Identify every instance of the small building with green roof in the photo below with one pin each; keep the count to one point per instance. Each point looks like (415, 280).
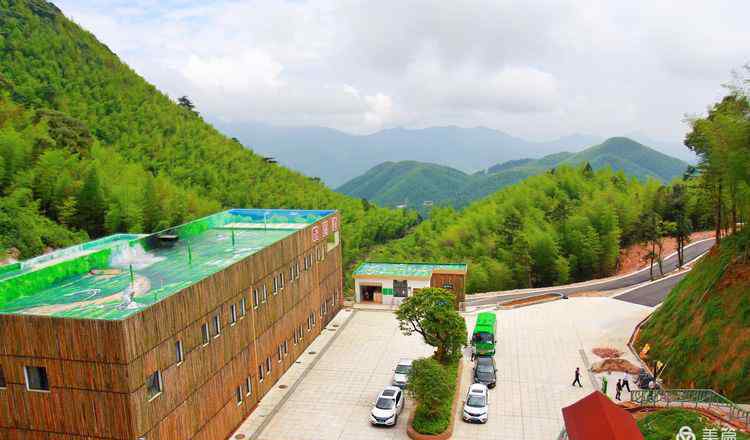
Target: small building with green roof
(389, 283)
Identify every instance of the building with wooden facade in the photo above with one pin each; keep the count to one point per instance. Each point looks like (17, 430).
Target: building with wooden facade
(174, 335)
(390, 283)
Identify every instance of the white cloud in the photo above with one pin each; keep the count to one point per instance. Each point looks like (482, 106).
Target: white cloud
(535, 68)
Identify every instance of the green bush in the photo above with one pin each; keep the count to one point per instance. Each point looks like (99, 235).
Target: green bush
(433, 385)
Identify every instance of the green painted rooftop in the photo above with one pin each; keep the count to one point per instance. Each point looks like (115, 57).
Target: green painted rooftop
(420, 270)
(115, 277)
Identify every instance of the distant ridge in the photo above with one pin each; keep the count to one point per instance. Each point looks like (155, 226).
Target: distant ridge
(337, 157)
(413, 183)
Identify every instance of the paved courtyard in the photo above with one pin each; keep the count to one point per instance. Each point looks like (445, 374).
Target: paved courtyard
(538, 349)
(333, 401)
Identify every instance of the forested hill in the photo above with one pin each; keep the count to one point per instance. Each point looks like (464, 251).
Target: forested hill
(88, 147)
(564, 225)
(413, 183)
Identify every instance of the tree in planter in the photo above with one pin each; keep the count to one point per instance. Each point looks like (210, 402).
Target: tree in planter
(430, 313)
(430, 385)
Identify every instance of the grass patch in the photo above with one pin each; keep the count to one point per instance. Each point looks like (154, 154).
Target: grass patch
(666, 424)
(702, 331)
(423, 423)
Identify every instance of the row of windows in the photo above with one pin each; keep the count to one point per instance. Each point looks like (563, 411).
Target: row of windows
(36, 378)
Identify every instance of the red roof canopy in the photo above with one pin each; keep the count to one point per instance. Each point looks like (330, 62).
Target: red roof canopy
(595, 417)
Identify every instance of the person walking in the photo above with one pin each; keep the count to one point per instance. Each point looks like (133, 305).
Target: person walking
(577, 380)
(618, 389)
(604, 385)
(473, 353)
(626, 381)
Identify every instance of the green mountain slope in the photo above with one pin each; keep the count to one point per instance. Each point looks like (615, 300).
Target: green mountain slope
(702, 331)
(94, 148)
(391, 183)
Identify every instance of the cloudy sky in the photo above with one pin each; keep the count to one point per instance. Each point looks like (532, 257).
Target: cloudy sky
(533, 68)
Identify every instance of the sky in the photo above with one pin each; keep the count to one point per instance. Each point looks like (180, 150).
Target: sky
(537, 69)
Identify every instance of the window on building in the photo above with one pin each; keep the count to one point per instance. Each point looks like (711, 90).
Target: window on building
(279, 352)
(179, 354)
(204, 332)
(286, 347)
(296, 269)
(232, 314)
(268, 365)
(36, 378)
(256, 299)
(400, 288)
(243, 308)
(275, 287)
(154, 385)
(238, 395)
(248, 385)
(448, 286)
(216, 326)
(260, 373)
(2, 379)
(281, 281)
(265, 293)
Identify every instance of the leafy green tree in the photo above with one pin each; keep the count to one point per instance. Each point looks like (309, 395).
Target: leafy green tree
(431, 313)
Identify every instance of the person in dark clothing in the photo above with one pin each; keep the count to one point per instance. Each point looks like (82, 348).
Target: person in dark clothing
(578, 378)
(619, 389)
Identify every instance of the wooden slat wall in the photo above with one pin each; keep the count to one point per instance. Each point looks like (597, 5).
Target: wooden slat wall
(85, 363)
(458, 281)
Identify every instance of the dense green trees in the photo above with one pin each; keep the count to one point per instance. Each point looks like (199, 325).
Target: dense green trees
(95, 148)
(566, 225)
(722, 141)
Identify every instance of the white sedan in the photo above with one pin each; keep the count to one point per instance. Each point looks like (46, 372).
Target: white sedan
(476, 405)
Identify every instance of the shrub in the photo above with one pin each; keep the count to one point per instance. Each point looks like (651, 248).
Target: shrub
(433, 385)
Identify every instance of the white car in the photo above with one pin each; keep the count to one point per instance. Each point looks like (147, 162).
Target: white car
(389, 404)
(401, 373)
(476, 405)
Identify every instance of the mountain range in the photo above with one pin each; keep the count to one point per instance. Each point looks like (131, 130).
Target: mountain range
(413, 183)
(337, 157)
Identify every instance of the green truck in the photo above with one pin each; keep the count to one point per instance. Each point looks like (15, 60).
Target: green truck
(483, 338)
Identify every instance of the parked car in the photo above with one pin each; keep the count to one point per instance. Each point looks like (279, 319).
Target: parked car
(476, 405)
(388, 405)
(485, 371)
(401, 373)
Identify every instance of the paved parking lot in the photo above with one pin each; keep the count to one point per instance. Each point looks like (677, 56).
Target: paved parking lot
(539, 347)
(333, 401)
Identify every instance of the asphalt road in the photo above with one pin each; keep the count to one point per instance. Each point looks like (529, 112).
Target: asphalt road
(653, 293)
(670, 264)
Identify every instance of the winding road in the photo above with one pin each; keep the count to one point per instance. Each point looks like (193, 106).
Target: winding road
(650, 294)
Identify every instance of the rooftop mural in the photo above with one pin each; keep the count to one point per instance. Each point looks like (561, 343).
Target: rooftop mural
(116, 276)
